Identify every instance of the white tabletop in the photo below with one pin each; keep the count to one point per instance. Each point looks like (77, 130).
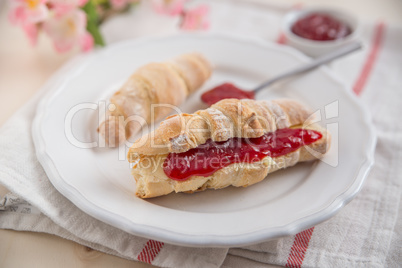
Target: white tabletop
(24, 69)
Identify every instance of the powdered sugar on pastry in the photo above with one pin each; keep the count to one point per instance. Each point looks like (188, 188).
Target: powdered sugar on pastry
(155, 83)
(243, 118)
(250, 118)
(219, 125)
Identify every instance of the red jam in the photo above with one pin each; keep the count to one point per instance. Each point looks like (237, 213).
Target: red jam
(320, 27)
(211, 156)
(225, 91)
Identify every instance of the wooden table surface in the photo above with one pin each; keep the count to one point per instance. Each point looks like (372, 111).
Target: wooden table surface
(24, 69)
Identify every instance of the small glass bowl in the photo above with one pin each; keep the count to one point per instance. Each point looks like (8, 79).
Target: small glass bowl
(316, 48)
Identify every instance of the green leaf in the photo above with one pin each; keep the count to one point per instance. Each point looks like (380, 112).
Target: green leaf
(100, 2)
(93, 22)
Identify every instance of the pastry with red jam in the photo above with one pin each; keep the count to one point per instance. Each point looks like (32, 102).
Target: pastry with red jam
(232, 143)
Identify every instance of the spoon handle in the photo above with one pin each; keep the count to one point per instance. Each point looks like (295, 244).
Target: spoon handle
(313, 64)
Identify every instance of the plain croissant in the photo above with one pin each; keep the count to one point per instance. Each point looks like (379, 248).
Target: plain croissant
(168, 82)
(224, 120)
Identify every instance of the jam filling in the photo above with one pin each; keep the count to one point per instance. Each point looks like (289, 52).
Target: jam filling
(225, 91)
(212, 156)
(320, 27)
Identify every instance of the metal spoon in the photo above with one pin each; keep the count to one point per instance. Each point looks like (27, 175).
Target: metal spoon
(312, 65)
(230, 91)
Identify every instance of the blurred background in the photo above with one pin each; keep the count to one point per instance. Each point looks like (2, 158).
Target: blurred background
(24, 68)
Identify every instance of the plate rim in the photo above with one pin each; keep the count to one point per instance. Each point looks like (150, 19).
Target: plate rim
(198, 240)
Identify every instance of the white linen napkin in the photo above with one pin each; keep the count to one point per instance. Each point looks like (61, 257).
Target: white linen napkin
(367, 232)
(35, 205)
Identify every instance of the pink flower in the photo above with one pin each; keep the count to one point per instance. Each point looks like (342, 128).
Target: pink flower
(82, 2)
(119, 4)
(68, 30)
(31, 31)
(74, 3)
(195, 19)
(86, 42)
(64, 6)
(168, 7)
(28, 11)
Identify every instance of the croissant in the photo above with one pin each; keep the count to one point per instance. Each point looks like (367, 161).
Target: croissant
(222, 125)
(155, 83)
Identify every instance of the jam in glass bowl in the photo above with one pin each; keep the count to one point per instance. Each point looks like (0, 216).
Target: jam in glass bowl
(317, 31)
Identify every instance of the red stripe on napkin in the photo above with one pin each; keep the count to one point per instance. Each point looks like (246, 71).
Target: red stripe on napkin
(281, 39)
(299, 248)
(302, 239)
(150, 251)
(371, 59)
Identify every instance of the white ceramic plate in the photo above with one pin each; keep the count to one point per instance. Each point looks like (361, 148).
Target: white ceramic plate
(99, 183)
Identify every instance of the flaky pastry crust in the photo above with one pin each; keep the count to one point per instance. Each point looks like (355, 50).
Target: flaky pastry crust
(223, 120)
(167, 82)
